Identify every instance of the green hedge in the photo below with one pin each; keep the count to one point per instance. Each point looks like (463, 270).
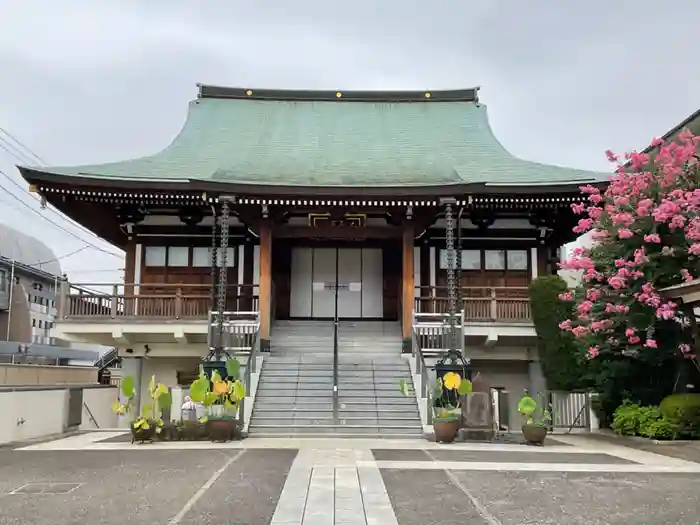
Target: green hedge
(683, 410)
(559, 356)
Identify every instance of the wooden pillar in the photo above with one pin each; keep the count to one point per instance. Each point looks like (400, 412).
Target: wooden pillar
(407, 284)
(248, 267)
(129, 277)
(265, 283)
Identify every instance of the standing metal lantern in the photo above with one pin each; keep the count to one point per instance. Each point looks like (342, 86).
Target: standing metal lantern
(217, 356)
(453, 360)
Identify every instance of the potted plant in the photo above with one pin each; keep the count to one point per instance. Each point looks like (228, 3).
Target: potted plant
(148, 423)
(445, 402)
(221, 399)
(536, 419)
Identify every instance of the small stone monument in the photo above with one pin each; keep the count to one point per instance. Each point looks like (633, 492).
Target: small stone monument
(477, 413)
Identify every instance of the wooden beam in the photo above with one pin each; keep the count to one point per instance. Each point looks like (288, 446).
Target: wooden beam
(407, 283)
(265, 283)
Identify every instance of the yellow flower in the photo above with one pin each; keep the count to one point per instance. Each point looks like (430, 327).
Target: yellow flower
(220, 387)
(451, 381)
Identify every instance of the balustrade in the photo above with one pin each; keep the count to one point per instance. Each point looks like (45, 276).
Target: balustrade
(503, 304)
(165, 301)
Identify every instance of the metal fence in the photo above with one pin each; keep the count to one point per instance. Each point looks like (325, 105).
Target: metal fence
(570, 410)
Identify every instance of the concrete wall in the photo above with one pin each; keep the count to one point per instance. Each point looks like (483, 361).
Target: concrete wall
(513, 376)
(30, 414)
(97, 404)
(19, 375)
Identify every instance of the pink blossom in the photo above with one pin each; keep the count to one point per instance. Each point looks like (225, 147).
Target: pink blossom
(617, 282)
(621, 201)
(666, 311)
(578, 208)
(684, 348)
(686, 275)
(624, 233)
(566, 296)
(633, 340)
(630, 332)
(583, 226)
(656, 142)
(584, 307)
(579, 331)
(652, 238)
(565, 325)
(689, 356)
(593, 294)
(694, 249)
(611, 156)
(593, 352)
(651, 343)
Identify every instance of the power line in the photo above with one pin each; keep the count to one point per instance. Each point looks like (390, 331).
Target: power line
(61, 257)
(48, 207)
(21, 145)
(4, 144)
(8, 192)
(24, 159)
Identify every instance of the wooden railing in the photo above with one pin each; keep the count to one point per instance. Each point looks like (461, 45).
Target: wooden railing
(172, 301)
(505, 304)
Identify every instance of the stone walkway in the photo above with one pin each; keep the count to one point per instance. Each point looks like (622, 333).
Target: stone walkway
(574, 480)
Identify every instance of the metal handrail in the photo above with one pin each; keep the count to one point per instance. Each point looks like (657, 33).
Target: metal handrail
(250, 366)
(335, 369)
(422, 369)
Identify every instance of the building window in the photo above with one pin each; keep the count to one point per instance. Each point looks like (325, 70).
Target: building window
(3, 281)
(33, 323)
(38, 286)
(155, 256)
(178, 256)
(201, 257)
(517, 260)
(495, 260)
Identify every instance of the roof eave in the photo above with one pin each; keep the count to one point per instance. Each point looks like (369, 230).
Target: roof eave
(35, 176)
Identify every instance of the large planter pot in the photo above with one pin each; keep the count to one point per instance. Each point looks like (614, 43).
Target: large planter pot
(143, 434)
(222, 429)
(446, 431)
(534, 434)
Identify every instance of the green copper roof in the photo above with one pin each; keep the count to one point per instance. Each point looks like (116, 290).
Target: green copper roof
(344, 142)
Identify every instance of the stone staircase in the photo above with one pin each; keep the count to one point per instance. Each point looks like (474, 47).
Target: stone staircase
(295, 393)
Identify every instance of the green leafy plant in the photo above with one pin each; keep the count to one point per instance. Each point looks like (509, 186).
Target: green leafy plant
(534, 413)
(216, 391)
(445, 396)
(150, 414)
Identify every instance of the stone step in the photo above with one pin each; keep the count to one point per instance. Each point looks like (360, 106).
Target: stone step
(283, 434)
(327, 419)
(383, 428)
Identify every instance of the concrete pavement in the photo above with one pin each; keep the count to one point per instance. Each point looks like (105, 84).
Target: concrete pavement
(86, 480)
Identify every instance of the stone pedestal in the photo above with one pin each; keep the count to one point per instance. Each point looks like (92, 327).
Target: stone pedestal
(477, 413)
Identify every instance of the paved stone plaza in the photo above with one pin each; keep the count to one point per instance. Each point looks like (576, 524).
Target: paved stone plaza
(98, 478)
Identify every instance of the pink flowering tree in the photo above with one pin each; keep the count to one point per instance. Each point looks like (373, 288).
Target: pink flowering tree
(646, 231)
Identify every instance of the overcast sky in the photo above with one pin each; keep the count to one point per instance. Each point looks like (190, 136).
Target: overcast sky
(108, 80)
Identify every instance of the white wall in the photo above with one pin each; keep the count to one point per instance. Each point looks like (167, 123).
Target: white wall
(99, 401)
(32, 414)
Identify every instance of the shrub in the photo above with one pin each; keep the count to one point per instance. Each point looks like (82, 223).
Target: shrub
(626, 419)
(684, 411)
(634, 420)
